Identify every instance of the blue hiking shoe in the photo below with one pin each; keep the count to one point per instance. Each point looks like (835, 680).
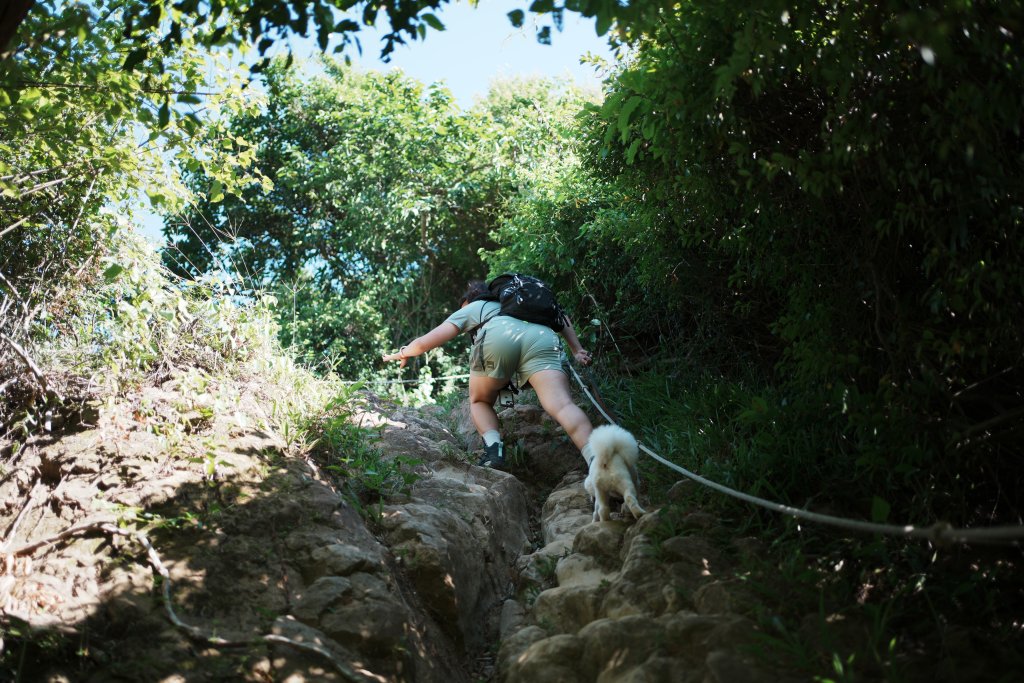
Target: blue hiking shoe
(494, 456)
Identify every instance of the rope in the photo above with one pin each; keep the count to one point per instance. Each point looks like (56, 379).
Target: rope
(402, 381)
(938, 533)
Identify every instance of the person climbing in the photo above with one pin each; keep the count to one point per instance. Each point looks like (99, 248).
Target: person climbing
(507, 348)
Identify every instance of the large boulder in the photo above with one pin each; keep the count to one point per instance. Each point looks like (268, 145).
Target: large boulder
(458, 531)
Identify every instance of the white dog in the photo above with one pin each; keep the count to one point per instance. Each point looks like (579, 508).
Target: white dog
(612, 470)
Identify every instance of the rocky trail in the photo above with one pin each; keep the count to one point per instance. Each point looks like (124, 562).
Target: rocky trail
(276, 575)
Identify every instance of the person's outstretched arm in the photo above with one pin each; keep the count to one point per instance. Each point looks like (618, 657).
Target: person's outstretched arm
(580, 354)
(444, 332)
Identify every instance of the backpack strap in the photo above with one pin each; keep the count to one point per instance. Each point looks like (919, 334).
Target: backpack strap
(472, 331)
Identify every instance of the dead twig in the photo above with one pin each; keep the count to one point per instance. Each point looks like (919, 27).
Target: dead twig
(16, 224)
(12, 530)
(109, 527)
(42, 186)
(31, 365)
(15, 295)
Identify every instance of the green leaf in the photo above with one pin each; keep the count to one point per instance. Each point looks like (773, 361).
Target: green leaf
(627, 112)
(165, 114)
(216, 191)
(112, 273)
(134, 58)
(603, 23)
(634, 147)
(433, 22)
(517, 16)
(879, 509)
(649, 128)
(30, 96)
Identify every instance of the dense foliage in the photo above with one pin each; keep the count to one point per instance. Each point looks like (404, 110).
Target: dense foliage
(79, 138)
(835, 191)
(258, 23)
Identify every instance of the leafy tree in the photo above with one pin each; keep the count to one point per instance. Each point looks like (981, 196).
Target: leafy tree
(381, 189)
(259, 22)
(543, 227)
(79, 136)
(262, 23)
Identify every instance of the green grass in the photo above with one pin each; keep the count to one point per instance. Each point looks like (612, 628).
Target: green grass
(349, 451)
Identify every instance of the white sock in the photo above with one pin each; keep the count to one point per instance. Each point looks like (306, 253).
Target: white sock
(588, 453)
(491, 436)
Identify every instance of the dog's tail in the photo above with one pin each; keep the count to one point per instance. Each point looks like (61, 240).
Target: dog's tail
(608, 440)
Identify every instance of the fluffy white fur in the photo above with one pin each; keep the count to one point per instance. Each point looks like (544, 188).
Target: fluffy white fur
(613, 470)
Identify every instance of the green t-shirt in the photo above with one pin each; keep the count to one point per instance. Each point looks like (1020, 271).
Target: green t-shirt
(468, 317)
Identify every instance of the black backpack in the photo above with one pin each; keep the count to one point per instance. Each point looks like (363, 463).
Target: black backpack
(527, 298)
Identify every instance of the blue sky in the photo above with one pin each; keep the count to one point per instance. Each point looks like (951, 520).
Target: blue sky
(477, 46)
(480, 44)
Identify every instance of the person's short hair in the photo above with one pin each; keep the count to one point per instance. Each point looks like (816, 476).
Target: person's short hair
(475, 290)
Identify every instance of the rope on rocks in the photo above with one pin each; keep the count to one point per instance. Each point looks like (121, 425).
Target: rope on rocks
(938, 533)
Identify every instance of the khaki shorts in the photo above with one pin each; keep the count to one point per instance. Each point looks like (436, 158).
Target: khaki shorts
(508, 348)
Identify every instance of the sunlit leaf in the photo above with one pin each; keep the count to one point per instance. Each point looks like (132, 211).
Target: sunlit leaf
(112, 272)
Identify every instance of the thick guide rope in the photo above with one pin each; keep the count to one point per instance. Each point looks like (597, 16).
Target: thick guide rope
(938, 533)
(419, 380)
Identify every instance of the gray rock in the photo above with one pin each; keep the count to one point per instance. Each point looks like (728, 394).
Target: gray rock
(567, 609)
(613, 646)
(551, 660)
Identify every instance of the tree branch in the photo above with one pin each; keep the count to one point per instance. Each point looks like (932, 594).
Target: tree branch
(31, 364)
(100, 88)
(11, 16)
(16, 224)
(43, 186)
(12, 530)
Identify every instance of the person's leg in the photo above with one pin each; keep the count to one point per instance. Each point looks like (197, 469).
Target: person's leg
(483, 391)
(552, 387)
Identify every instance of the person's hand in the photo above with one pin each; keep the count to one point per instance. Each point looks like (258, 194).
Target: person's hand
(399, 356)
(582, 357)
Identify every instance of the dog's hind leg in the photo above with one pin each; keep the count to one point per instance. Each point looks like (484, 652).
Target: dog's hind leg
(633, 504)
(602, 508)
